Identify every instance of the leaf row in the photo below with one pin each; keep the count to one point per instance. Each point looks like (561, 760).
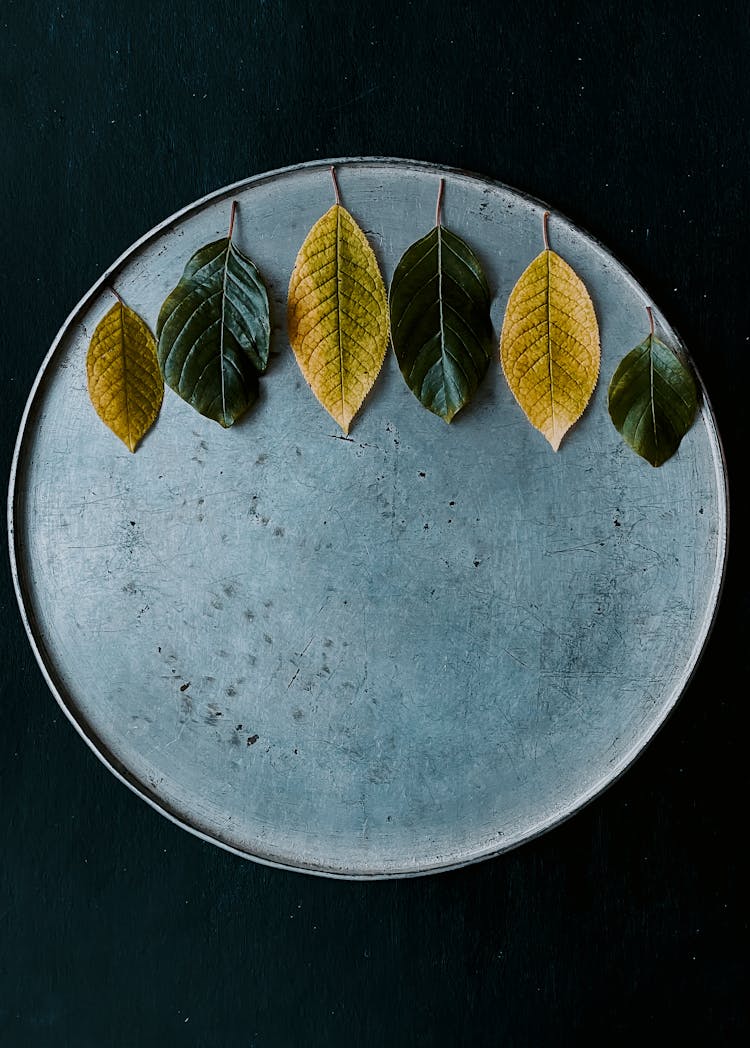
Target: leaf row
(213, 339)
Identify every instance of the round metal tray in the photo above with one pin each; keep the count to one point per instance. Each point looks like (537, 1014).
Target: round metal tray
(370, 657)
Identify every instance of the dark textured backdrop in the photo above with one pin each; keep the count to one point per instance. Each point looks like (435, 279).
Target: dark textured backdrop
(629, 921)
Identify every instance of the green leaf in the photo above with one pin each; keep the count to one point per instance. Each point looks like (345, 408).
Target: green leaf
(214, 332)
(440, 320)
(653, 400)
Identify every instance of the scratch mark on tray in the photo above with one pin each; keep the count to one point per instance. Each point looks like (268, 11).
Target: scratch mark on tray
(178, 736)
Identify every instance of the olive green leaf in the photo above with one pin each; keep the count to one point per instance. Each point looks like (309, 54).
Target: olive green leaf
(653, 399)
(124, 381)
(440, 319)
(549, 347)
(337, 313)
(214, 331)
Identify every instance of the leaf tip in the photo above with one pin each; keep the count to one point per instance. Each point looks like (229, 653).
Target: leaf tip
(555, 437)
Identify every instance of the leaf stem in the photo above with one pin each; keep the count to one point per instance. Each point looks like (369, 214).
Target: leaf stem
(439, 205)
(650, 320)
(231, 219)
(117, 296)
(545, 233)
(335, 184)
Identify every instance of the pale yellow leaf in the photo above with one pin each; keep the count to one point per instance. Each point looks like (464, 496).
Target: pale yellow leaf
(124, 380)
(338, 314)
(549, 347)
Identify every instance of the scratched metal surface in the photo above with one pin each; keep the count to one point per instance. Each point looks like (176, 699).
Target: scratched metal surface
(381, 656)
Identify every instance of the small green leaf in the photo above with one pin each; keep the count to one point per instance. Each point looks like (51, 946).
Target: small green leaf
(214, 332)
(653, 399)
(440, 320)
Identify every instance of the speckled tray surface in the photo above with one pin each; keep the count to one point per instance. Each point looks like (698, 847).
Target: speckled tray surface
(381, 656)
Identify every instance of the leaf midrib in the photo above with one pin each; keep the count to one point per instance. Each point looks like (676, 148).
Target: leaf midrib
(549, 343)
(125, 373)
(338, 310)
(221, 333)
(651, 388)
(440, 313)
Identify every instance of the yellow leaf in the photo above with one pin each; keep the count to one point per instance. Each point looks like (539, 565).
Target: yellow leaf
(549, 346)
(125, 384)
(338, 314)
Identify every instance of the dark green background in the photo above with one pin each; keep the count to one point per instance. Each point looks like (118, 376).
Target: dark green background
(627, 923)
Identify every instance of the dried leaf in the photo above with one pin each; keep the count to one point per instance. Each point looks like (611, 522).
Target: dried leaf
(653, 399)
(338, 314)
(124, 381)
(214, 331)
(440, 320)
(549, 347)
